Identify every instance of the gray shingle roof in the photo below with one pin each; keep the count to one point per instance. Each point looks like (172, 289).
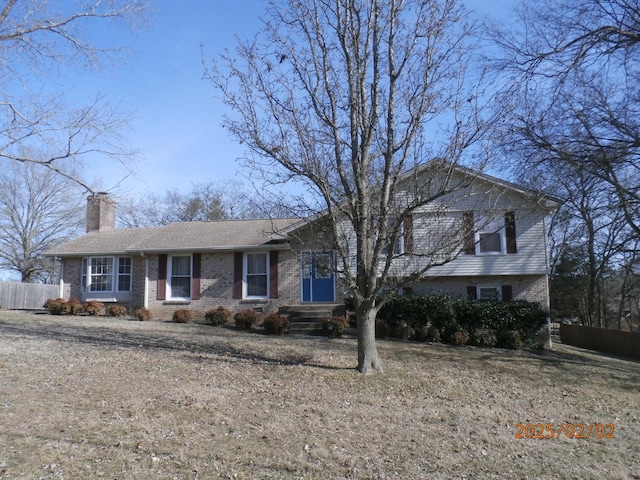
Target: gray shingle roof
(218, 235)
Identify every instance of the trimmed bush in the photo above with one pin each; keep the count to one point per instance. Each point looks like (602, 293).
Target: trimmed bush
(459, 338)
(403, 331)
(433, 334)
(421, 333)
(182, 315)
(528, 318)
(93, 308)
(245, 319)
(74, 306)
(57, 306)
(116, 310)
(335, 327)
(510, 339)
(382, 329)
(143, 314)
(411, 316)
(217, 317)
(484, 338)
(275, 324)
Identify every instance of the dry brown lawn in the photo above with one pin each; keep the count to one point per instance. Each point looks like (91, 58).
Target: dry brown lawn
(84, 398)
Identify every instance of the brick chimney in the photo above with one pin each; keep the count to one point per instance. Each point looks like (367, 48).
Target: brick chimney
(101, 212)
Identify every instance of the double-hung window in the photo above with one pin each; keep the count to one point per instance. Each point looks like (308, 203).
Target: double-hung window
(488, 292)
(256, 275)
(106, 274)
(490, 237)
(180, 277)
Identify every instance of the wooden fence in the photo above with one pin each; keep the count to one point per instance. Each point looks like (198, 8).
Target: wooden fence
(25, 296)
(626, 344)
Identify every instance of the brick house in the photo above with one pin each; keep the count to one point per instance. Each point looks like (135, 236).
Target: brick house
(498, 228)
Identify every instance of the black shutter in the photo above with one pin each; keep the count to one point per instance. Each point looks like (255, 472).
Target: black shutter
(510, 232)
(472, 292)
(237, 275)
(273, 275)
(161, 294)
(195, 276)
(467, 230)
(507, 293)
(408, 234)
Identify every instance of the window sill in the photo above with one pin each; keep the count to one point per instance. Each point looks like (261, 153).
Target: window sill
(177, 302)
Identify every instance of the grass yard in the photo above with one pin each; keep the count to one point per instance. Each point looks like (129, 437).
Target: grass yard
(84, 398)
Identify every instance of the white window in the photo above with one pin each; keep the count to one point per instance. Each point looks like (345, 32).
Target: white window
(490, 237)
(179, 277)
(99, 274)
(488, 292)
(256, 275)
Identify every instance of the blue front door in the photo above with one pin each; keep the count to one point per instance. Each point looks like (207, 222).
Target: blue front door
(318, 277)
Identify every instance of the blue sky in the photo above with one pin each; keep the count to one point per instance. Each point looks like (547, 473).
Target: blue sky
(176, 119)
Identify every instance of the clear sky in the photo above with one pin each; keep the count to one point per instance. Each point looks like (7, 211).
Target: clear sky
(176, 119)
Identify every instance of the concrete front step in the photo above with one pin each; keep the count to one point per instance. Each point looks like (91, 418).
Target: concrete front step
(307, 318)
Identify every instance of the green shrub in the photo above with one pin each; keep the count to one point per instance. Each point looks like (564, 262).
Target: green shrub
(411, 316)
(528, 318)
(217, 317)
(484, 338)
(433, 334)
(403, 331)
(245, 319)
(93, 308)
(421, 333)
(335, 327)
(143, 314)
(116, 310)
(510, 339)
(182, 315)
(382, 329)
(275, 324)
(57, 306)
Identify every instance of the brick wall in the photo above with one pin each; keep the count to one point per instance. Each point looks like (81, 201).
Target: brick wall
(532, 288)
(216, 287)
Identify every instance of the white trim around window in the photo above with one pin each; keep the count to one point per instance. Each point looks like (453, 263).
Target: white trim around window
(106, 274)
(255, 275)
(179, 272)
(489, 292)
(490, 237)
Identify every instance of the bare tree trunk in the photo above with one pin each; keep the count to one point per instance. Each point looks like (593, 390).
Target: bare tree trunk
(368, 360)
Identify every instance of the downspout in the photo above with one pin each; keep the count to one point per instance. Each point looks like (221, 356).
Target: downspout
(549, 344)
(145, 301)
(61, 281)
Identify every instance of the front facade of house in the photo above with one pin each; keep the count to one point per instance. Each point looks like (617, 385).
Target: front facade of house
(258, 264)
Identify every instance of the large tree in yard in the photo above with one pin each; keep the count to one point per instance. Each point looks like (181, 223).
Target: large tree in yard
(38, 210)
(574, 99)
(346, 97)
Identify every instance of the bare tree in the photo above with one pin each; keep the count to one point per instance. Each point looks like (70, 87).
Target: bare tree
(37, 39)
(571, 125)
(345, 97)
(575, 92)
(206, 201)
(38, 210)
